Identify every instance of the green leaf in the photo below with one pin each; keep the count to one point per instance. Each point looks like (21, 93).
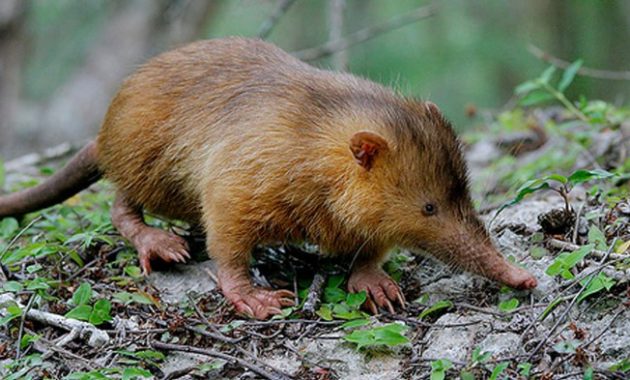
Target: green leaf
(38, 283)
(596, 285)
(335, 281)
(557, 177)
(12, 286)
(537, 252)
(526, 87)
(128, 298)
(442, 305)
(621, 366)
(552, 305)
(597, 237)
(498, 370)
(527, 188)
(387, 335)
(567, 260)
(588, 374)
(325, 312)
(27, 339)
(131, 373)
(535, 97)
(82, 295)
(508, 305)
(12, 311)
(101, 312)
(524, 369)
(8, 227)
(583, 175)
(546, 75)
(479, 357)
(439, 368)
(133, 271)
(569, 75)
(466, 375)
(81, 312)
(334, 295)
(355, 323)
(355, 300)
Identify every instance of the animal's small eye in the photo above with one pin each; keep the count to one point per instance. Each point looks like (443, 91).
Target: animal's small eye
(429, 209)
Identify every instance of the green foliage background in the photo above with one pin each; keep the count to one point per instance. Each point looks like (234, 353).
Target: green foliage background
(471, 52)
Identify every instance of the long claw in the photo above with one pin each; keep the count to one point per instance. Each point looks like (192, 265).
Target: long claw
(274, 310)
(401, 301)
(390, 307)
(244, 308)
(371, 306)
(286, 302)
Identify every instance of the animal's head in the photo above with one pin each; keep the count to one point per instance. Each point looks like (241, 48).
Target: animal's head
(412, 183)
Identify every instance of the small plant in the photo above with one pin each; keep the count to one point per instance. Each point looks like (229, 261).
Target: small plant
(96, 314)
(508, 305)
(437, 308)
(563, 264)
(558, 183)
(439, 368)
(541, 89)
(340, 304)
(388, 335)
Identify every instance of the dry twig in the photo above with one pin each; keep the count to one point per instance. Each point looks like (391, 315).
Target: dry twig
(314, 293)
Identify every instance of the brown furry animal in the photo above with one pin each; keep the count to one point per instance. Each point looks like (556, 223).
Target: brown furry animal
(240, 137)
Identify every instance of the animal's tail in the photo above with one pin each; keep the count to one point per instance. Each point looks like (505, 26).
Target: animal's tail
(78, 174)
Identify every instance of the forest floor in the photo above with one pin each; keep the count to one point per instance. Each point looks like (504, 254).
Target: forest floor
(74, 305)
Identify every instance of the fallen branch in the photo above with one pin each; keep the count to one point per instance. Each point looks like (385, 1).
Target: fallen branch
(365, 34)
(566, 246)
(585, 71)
(216, 354)
(95, 337)
(314, 294)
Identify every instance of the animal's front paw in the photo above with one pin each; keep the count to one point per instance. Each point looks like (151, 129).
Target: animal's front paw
(257, 302)
(155, 244)
(380, 288)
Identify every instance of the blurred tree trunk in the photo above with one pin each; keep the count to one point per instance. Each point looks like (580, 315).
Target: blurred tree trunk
(135, 31)
(11, 52)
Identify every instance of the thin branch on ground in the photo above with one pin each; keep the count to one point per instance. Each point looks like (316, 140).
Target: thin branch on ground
(29, 305)
(95, 337)
(314, 293)
(565, 245)
(365, 34)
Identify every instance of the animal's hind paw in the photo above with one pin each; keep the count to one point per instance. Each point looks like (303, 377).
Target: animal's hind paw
(155, 244)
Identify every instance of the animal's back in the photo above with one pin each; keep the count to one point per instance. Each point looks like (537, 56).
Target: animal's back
(182, 107)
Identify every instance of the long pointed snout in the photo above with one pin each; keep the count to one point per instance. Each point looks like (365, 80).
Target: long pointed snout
(481, 257)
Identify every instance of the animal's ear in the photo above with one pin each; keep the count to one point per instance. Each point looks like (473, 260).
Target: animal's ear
(365, 146)
(432, 108)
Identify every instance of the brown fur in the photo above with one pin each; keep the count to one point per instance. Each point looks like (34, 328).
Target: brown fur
(239, 136)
